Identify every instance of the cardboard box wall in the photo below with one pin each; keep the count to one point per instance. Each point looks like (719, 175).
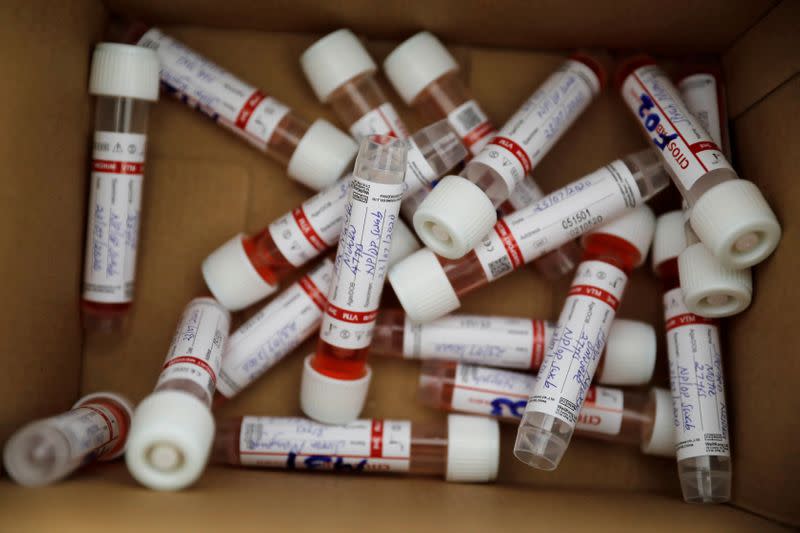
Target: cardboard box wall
(203, 185)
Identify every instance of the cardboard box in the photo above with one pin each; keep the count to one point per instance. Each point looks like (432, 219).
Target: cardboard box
(202, 185)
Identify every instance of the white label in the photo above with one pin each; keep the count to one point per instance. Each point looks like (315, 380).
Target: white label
(272, 333)
(361, 263)
(298, 443)
(419, 173)
(569, 212)
(383, 120)
(601, 411)
(196, 350)
(307, 231)
(481, 340)
(472, 125)
(698, 390)
(686, 147)
(699, 93)
(92, 430)
(490, 391)
(539, 123)
(204, 86)
(579, 339)
(113, 221)
(524, 194)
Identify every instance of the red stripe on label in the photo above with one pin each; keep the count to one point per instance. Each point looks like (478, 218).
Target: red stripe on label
(515, 149)
(305, 226)
(509, 243)
(596, 293)
(537, 351)
(477, 133)
(313, 292)
(117, 167)
(247, 109)
(353, 317)
(188, 359)
(702, 146)
(688, 319)
(376, 439)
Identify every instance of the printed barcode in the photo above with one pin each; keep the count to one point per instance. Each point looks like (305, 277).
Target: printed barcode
(500, 266)
(468, 118)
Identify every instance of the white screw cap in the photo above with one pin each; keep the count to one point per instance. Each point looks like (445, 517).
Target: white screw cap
(454, 217)
(473, 448)
(670, 238)
(711, 289)
(323, 154)
(329, 400)
(122, 401)
(416, 63)
(422, 287)
(404, 243)
(170, 440)
(636, 227)
(630, 355)
(333, 60)
(662, 440)
(124, 70)
(736, 224)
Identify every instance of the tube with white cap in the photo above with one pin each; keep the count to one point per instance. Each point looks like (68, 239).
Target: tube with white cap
(172, 429)
(464, 449)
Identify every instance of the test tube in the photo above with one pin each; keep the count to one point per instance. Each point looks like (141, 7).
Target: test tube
(464, 449)
(46, 451)
(460, 211)
(172, 429)
(336, 378)
(247, 269)
(627, 417)
(508, 342)
(315, 155)
(612, 252)
(125, 80)
(342, 74)
(729, 214)
(429, 286)
(696, 378)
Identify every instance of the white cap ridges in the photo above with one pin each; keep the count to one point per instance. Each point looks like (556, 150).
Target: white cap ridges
(124, 70)
(323, 154)
(333, 60)
(473, 448)
(630, 355)
(329, 400)
(670, 238)
(736, 224)
(636, 227)
(711, 289)
(662, 440)
(232, 278)
(422, 287)
(170, 440)
(454, 217)
(415, 63)
(404, 243)
(122, 401)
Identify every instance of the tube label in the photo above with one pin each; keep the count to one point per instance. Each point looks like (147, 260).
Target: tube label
(686, 147)
(275, 331)
(299, 443)
(370, 215)
(93, 430)
(540, 122)
(112, 230)
(556, 219)
(196, 351)
(383, 120)
(524, 194)
(601, 411)
(480, 340)
(214, 91)
(696, 379)
(699, 93)
(472, 125)
(578, 341)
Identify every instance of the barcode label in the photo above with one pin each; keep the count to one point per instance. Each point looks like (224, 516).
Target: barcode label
(472, 125)
(468, 118)
(500, 266)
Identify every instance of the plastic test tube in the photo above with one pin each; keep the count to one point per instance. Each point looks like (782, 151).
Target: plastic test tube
(336, 378)
(125, 80)
(172, 429)
(460, 211)
(429, 286)
(248, 268)
(45, 451)
(612, 252)
(628, 417)
(730, 215)
(316, 155)
(696, 378)
(506, 342)
(342, 73)
(465, 449)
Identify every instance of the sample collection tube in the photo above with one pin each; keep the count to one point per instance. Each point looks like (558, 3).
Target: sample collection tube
(429, 286)
(172, 429)
(612, 252)
(729, 215)
(696, 378)
(464, 449)
(45, 451)
(125, 80)
(629, 417)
